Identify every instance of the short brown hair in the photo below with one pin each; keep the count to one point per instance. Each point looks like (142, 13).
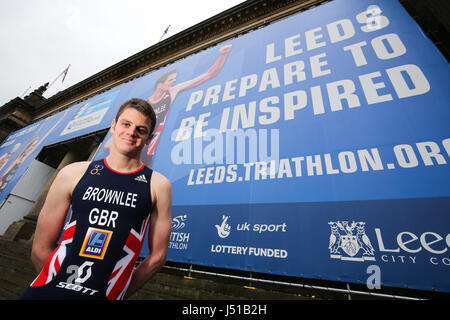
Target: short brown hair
(141, 106)
(164, 77)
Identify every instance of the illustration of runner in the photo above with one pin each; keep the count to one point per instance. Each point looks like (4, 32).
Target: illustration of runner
(165, 93)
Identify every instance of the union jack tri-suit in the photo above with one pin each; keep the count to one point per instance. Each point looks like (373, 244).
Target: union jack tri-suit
(102, 239)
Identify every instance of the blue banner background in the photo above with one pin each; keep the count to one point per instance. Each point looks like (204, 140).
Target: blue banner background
(391, 213)
(356, 183)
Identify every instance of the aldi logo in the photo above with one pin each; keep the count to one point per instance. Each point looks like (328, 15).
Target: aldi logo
(95, 243)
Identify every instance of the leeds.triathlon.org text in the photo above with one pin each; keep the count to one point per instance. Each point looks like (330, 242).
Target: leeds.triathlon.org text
(403, 156)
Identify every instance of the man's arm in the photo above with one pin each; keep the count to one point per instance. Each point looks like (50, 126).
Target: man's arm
(212, 72)
(158, 236)
(53, 213)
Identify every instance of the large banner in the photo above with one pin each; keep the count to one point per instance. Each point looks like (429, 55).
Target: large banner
(19, 150)
(316, 147)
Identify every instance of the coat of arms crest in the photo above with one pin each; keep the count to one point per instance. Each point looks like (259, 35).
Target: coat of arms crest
(344, 238)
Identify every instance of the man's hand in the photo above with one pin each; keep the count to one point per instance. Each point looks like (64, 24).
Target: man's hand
(225, 49)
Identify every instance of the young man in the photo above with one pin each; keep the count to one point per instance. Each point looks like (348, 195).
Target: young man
(113, 201)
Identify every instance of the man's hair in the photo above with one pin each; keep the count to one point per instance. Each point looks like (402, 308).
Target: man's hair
(164, 77)
(141, 106)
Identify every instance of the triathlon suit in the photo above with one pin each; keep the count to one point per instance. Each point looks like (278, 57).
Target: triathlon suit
(102, 239)
(161, 109)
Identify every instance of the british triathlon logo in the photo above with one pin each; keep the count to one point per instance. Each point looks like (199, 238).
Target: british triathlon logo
(178, 222)
(96, 170)
(95, 243)
(224, 229)
(348, 241)
(179, 239)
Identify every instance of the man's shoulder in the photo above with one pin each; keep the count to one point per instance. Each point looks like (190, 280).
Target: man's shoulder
(75, 169)
(68, 177)
(161, 191)
(160, 186)
(160, 181)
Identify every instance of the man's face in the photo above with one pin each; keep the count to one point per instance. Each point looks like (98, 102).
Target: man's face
(168, 83)
(131, 132)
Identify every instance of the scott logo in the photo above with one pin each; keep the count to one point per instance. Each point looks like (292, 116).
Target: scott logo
(78, 276)
(355, 246)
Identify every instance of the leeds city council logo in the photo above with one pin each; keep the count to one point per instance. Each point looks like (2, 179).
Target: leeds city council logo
(346, 243)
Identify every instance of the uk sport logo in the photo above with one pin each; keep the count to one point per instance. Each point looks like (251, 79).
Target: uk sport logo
(346, 243)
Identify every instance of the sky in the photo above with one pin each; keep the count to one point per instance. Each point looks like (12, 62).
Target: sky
(40, 38)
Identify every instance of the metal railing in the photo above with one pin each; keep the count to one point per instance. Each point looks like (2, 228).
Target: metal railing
(347, 291)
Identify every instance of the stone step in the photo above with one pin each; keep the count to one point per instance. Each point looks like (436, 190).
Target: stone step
(8, 260)
(16, 269)
(17, 272)
(185, 291)
(202, 289)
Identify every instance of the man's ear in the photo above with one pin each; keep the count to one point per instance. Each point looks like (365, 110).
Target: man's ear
(113, 126)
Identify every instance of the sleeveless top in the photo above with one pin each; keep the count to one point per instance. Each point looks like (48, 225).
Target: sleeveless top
(161, 109)
(102, 239)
